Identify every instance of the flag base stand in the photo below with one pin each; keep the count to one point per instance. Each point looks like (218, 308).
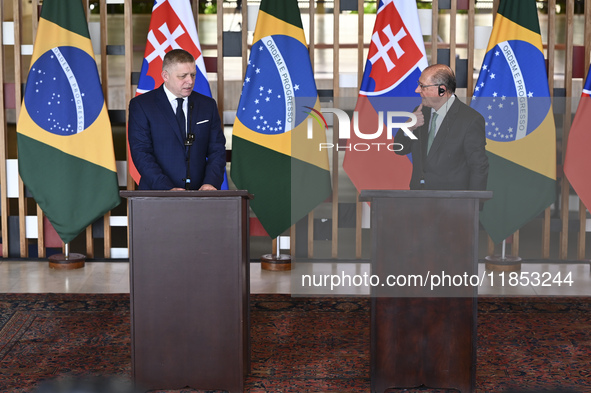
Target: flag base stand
(279, 262)
(62, 262)
(496, 263)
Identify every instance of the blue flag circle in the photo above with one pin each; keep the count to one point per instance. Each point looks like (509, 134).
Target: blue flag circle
(63, 95)
(512, 91)
(278, 85)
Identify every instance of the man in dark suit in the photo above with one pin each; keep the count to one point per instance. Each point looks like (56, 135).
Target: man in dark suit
(175, 134)
(449, 153)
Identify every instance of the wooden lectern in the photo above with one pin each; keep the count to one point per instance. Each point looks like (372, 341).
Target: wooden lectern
(422, 334)
(189, 289)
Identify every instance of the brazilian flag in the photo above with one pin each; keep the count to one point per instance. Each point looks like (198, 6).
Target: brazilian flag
(65, 145)
(278, 141)
(513, 96)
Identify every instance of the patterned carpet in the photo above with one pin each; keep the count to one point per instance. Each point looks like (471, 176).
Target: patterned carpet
(298, 344)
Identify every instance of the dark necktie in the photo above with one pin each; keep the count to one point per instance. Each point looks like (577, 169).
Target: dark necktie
(180, 117)
(432, 131)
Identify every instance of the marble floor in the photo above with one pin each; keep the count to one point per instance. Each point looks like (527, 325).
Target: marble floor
(322, 278)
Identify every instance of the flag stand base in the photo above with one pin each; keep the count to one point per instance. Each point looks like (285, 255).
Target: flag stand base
(496, 263)
(61, 262)
(272, 262)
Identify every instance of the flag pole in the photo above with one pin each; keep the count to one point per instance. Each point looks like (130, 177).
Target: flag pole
(503, 262)
(67, 260)
(276, 261)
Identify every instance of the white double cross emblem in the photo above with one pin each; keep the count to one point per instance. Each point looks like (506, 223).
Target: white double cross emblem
(169, 40)
(393, 42)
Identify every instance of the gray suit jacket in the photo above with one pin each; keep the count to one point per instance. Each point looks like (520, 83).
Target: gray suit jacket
(457, 159)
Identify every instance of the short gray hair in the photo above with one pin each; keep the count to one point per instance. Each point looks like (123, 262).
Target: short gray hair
(177, 56)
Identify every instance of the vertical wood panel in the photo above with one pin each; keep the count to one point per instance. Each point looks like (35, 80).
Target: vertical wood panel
(244, 13)
(360, 48)
(452, 34)
(587, 35)
(105, 84)
(568, 83)
(128, 37)
(515, 246)
(470, 67)
(491, 245)
(195, 8)
(551, 51)
(89, 242)
(292, 240)
(311, 46)
(310, 234)
(434, 30)
(360, 62)
(3, 141)
(40, 214)
(335, 136)
(220, 56)
(551, 56)
(582, 230)
(34, 17)
(103, 46)
(128, 43)
(104, 39)
(495, 9)
(582, 209)
(18, 79)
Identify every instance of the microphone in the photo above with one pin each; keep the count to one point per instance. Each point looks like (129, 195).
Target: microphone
(190, 139)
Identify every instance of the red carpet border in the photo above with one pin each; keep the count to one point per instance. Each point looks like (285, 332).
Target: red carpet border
(298, 344)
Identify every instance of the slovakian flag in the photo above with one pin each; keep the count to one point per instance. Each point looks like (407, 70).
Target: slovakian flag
(512, 95)
(65, 144)
(577, 161)
(171, 27)
(394, 64)
(276, 140)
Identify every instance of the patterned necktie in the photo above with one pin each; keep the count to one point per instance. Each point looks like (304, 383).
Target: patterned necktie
(432, 131)
(180, 117)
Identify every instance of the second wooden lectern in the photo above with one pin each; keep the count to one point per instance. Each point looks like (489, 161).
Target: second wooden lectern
(423, 317)
(189, 289)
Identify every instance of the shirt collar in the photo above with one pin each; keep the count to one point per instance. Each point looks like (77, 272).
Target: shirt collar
(444, 108)
(171, 97)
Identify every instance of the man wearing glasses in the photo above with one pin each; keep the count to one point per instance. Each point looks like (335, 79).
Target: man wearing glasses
(449, 153)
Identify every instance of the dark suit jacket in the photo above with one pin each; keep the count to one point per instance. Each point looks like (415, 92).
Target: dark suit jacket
(158, 149)
(457, 159)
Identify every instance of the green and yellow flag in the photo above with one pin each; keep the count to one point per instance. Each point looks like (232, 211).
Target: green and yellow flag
(278, 144)
(65, 145)
(513, 96)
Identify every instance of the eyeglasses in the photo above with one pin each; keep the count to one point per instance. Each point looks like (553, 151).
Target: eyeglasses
(423, 86)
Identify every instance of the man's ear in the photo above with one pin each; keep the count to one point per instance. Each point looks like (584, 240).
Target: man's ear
(164, 75)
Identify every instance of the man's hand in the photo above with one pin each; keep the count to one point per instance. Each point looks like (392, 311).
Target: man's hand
(207, 187)
(420, 118)
(177, 189)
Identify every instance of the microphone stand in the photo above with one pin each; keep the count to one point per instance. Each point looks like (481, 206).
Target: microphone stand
(188, 143)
